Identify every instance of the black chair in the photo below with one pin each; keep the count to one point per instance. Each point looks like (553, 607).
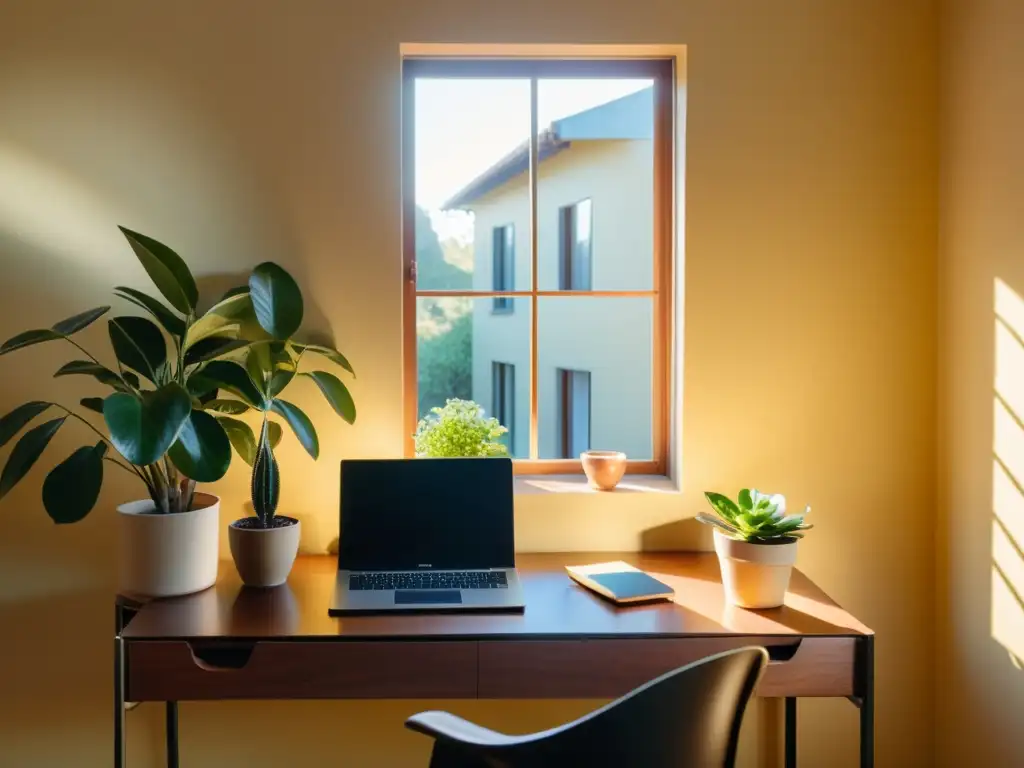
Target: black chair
(687, 718)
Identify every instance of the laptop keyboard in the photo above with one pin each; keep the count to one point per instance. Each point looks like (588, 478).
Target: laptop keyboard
(428, 580)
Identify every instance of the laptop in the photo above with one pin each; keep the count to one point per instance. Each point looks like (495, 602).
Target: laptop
(426, 535)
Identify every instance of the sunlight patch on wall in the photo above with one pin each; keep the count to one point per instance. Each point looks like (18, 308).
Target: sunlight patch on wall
(1008, 472)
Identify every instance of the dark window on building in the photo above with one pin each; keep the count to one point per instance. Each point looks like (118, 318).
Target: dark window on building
(575, 228)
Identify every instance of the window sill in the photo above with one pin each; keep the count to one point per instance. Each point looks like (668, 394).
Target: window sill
(528, 485)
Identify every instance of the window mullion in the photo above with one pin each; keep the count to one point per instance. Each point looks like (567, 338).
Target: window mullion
(534, 374)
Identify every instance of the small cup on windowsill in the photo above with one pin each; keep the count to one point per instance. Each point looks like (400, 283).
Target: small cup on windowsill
(604, 469)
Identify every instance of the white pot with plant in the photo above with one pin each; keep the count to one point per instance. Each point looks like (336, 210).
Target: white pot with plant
(756, 544)
(459, 429)
(265, 545)
(159, 422)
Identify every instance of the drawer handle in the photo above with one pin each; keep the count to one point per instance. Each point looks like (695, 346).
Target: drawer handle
(779, 654)
(221, 657)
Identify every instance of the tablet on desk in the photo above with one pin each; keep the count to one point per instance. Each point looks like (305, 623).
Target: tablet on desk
(620, 582)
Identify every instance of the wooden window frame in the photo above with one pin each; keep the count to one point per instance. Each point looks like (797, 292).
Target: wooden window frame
(659, 69)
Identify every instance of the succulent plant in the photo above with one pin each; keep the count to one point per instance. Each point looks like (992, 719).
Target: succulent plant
(759, 518)
(459, 429)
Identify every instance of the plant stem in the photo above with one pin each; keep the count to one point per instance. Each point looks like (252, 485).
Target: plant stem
(88, 354)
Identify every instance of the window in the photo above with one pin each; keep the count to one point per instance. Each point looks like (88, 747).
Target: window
(503, 256)
(500, 242)
(503, 400)
(573, 413)
(574, 247)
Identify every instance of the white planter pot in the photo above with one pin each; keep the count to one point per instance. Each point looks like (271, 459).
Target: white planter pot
(264, 556)
(755, 575)
(169, 555)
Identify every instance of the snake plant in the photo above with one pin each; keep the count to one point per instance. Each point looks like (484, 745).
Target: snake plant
(759, 518)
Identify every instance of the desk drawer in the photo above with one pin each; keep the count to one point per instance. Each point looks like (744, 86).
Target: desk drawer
(610, 668)
(179, 670)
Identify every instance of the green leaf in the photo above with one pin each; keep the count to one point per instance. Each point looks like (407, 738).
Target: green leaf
(266, 484)
(238, 290)
(723, 505)
(12, 423)
(77, 322)
(331, 354)
(88, 368)
(26, 451)
(279, 381)
(745, 502)
(166, 269)
(277, 300)
(202, 451)
(241, 437)
(223, 319)
(138, 344)
(92, 403)
(337, 394)
(212, 347)
(72, 488)
(274, 433)
(300, 424)
(717, 522)
(143, 428)
(230, 407)
(259, 366)
(231, 376)
(28, 338)
(173, 324)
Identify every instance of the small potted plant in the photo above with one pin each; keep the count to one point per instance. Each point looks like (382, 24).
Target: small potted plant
(264, 545)
(157, 419)
(459, 429)
(756, 544)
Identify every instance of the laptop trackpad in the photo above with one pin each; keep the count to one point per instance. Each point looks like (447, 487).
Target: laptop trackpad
(421, 596)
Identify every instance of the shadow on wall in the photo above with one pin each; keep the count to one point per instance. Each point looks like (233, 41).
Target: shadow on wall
(1007, 598)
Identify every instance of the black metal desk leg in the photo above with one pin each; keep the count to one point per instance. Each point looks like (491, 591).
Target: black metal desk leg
(790, 732)
(867, 704)
(119, 751)
(172, 734)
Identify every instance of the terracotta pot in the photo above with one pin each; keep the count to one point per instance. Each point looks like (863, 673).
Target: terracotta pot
(264, 556)
(755, 575)
(168, 555)
(604, 469)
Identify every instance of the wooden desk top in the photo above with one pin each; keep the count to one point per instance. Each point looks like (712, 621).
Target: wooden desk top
(556, 608)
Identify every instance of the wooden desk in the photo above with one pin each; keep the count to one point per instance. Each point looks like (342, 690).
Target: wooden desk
(233, 643)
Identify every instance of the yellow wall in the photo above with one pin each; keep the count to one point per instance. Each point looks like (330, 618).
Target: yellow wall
(981, 269)
(240, 131)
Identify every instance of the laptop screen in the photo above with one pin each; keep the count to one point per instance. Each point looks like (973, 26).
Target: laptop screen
(410, 514)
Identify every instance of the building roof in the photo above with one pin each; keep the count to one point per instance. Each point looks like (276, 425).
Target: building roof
(629, 117)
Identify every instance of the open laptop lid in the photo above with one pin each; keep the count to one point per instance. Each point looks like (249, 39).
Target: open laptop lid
(409, 514)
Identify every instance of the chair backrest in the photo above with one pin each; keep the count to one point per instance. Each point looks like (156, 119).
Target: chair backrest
(687, 718)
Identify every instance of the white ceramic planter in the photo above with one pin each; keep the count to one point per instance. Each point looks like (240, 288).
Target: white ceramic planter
(169, 555)
(264, 556)
(755, 575)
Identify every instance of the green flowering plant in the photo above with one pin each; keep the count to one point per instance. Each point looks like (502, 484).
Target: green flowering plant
(459, 429)
(759, 518)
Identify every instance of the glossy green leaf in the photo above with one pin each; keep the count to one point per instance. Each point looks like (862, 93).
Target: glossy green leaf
(166, 269)
(259, 366)
(238, 290)
(724, 506)
(131, 378)
(72, 488)
(77, 322)
(337, 394)
(229, 407)
(26, 451)
(745, 500)
(331, 354)
(202, 451)
(274, 433)
(276, 299)
(225, 318)
(232, 377)
(266, 480)
(13, 422)
(28, 338)
(142, 429)
(138, 344)
(241, 437)
(211, 348)
(300, 424)
(278, 382)
(92, 403)
(173, 324)
(88, 368)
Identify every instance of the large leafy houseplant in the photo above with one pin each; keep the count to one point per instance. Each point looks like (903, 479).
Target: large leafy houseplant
(459, 429)
(162, 415)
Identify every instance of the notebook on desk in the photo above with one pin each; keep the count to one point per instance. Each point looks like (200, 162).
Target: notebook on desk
(620, 582)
